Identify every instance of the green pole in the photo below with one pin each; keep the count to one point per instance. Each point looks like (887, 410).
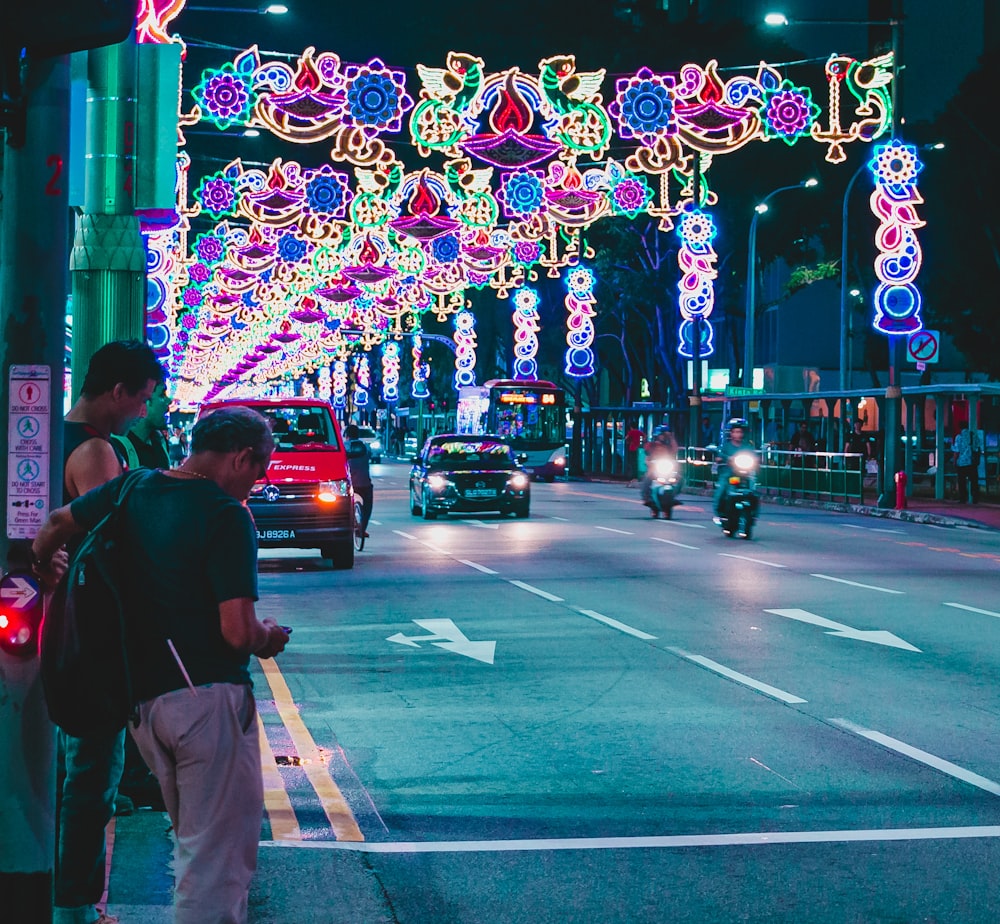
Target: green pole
(34, 235)
(108, 262)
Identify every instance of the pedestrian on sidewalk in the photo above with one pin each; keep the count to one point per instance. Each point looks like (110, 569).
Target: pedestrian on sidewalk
(968, 450)
(190, 567)
(120, 381)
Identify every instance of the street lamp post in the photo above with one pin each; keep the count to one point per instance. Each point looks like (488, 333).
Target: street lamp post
(751, 302)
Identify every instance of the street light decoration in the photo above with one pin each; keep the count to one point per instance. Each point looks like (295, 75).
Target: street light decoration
(696, 287)
(465, 349)
(526, 328)
(580, 302)
(895, 167)
(390, 372)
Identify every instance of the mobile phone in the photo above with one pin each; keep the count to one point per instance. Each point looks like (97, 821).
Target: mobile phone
(288, 629)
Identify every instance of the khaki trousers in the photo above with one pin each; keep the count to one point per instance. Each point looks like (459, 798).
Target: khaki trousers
(205, 753)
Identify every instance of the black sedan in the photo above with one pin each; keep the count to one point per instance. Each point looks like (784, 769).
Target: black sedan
(459, 473)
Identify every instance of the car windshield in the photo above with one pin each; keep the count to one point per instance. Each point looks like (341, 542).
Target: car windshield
(367, 433)
(300, 428)
(460, 453)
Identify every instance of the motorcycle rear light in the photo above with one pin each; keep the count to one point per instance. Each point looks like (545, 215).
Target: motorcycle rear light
(734, 479)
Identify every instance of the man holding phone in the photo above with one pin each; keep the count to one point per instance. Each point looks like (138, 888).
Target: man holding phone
(189, 566)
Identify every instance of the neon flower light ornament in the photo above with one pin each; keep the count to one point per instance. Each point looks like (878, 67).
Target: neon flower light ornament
(696, 288)
(390, 372)
(894, 167)
(579, 326)
(525, 333)
(465, 349)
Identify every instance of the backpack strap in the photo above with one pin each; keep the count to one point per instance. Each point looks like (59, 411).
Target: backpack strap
(125, 448)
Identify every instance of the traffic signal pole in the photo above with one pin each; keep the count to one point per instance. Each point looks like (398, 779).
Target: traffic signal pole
(34, 244)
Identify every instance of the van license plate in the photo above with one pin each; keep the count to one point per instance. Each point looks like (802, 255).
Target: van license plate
(273, 534)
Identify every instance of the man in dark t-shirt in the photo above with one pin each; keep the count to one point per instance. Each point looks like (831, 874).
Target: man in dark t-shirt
(190, 560)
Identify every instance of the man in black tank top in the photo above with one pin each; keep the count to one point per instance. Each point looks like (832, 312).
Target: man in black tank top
(120, 380)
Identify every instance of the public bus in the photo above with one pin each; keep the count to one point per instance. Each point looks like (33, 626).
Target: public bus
(528, 415)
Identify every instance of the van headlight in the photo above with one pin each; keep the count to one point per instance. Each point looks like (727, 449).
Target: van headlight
(330, 491)
(518, 481)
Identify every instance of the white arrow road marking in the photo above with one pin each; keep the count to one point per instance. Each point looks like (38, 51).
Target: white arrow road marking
(884, 590)
(445, 634)
(478, 567)
(756, 561)
(22, 592)
(481, 524)
(679, 545)
(609, 529)
(972, 609)
(938, 763)
(535, 590)
(877, 636)
(615, 624)
(765, 688)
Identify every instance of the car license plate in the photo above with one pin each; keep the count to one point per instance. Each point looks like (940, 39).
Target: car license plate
(481, 492)
(273, 534)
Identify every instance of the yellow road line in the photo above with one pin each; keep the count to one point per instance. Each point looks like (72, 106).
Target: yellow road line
(284, 824)
(342, 820)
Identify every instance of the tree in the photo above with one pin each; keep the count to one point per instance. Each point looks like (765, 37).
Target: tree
(961, 273)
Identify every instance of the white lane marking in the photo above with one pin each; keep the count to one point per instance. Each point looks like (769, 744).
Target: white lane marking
(481, 524)
(756, 561)
(679, 545)
(750, 839)
(535, 590)
(482, 568)
(609, 529)
(375, 522)
(972, 609)
(423, 542)
(561, 519)
(765, 688)
(875, 636)
(615, 624)
(938, 763)
(872, 529)
(884, 590)
(685, 525)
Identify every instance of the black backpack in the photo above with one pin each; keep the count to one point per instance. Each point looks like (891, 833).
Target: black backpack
(84, 663)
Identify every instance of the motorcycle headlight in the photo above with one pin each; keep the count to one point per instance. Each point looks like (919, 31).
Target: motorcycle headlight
(518, 481)
(744, 461)
(330, 491)
(437, 482)
(664, 467)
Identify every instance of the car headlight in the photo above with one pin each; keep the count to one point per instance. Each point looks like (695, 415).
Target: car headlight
(330, 491)
(518, 481)
(376, 445)
(437, 482)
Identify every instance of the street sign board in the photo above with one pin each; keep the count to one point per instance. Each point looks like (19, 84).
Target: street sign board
(924, 346)
(28, 450)
(737, 391)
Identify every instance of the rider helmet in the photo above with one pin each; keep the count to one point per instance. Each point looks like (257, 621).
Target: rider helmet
(661, 429)
(738, 422)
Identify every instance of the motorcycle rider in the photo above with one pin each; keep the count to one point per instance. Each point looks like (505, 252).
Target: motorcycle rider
(661, 445)
(735, 442)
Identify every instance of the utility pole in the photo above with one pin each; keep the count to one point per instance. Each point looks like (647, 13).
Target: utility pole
(34, 235)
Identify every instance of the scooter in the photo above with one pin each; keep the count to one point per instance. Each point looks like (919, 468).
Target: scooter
(665, 485)
(738, 507)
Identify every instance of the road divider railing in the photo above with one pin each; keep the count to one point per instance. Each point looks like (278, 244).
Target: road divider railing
(823, 476)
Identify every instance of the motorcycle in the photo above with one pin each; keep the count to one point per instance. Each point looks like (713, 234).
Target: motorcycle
(738, 507)
(665, 485)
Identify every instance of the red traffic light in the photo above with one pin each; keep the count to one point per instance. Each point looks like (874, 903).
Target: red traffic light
(19, 632)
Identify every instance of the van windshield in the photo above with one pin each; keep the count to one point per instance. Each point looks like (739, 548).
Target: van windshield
(300, 428)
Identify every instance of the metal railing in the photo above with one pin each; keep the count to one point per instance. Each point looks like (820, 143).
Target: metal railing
(830, 476)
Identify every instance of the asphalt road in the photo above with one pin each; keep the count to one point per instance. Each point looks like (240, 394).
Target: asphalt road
(593, 716)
